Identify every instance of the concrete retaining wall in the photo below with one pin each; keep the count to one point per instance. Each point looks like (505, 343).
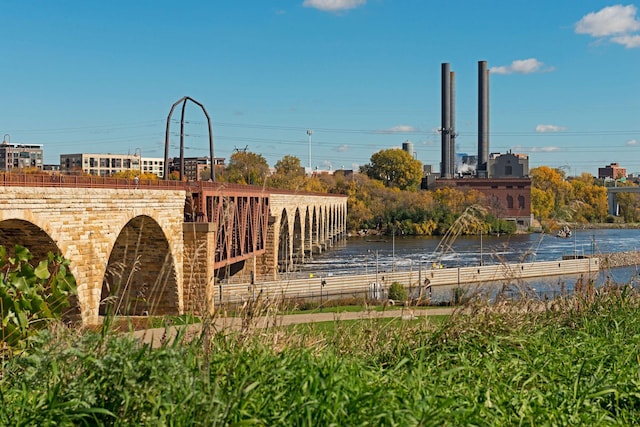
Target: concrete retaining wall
(358, 284)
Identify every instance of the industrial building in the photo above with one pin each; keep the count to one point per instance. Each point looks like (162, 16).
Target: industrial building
(502, 178)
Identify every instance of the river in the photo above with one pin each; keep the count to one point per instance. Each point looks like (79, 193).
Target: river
(365, 255)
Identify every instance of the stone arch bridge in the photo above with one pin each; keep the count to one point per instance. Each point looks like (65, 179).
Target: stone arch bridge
(162, 247)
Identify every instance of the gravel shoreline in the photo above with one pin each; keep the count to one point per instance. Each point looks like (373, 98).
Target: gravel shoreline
(619, 259)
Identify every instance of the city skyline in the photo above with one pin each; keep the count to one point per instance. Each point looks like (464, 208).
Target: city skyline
(363, 75)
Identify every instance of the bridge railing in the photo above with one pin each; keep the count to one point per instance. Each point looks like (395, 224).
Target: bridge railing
(73, 181)
(12, 179)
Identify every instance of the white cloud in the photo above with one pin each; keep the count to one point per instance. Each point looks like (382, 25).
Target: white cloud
(611, 20)
(520, 148)
(343, 148)
(522, 66)
(627, 41)
(544, 149)
(550, 128)
(400, 129)
(333, 5)
(632, 142)
(618, 22)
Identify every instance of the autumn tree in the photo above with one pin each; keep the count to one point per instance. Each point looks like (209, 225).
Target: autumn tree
(550, 193)
(629, 206)
(395, 168)
(289, 174)
(246, 167)
(132, 173)
(589, 200)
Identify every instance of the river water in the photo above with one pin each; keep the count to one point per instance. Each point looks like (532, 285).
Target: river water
(365, 255)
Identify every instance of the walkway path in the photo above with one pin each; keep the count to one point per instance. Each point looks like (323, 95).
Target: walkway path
(156, 336)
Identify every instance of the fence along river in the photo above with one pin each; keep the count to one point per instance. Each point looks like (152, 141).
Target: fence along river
(352, 266)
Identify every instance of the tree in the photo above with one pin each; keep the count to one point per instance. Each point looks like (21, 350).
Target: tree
(131, 173)
(589, 199)
(395, 168)
(550, 187)
(246, 167)
(289, 174)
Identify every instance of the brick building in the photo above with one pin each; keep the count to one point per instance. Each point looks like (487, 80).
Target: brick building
(506, 198)
(613, 171)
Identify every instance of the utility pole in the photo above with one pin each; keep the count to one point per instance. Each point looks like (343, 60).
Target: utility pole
(309, 133)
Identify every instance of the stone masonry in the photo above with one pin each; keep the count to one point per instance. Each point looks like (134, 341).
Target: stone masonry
(88, 225)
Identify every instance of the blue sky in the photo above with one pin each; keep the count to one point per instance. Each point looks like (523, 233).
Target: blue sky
(364, 75)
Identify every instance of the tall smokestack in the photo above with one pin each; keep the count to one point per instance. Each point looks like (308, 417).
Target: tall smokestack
(483, 118)
(445, 165)
(452, 123)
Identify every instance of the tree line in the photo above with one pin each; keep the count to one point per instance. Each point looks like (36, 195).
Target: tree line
(385, 196)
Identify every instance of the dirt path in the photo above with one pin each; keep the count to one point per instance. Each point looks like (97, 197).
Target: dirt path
(156, 336)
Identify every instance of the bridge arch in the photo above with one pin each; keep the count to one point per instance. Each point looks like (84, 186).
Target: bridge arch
(297, 241)
(315, 236)
(140, 277)
(37, 235)
(283, 243)
(31, 236)
(308, 233)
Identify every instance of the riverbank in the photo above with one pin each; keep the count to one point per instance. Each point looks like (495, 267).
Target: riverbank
(606, 226)
(619, 259)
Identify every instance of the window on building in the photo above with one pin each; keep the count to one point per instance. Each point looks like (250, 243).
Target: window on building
(509, 202)
(521, 201)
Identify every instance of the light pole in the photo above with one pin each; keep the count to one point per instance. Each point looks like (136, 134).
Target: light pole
(309, 133)
(393, 248)
(138, 153)
(481, 254)
(376, 268)
(9, 153)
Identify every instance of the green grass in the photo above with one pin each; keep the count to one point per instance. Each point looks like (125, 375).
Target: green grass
(336, 326)
(570, 362)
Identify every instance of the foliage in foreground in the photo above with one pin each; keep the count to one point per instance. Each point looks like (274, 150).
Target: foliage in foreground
(31, 296)
(571, 362)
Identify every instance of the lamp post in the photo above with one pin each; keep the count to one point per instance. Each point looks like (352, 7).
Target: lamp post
(309, 133)
(481, 254)
(376, 268)
(393, 249)
(138, 153)
(8, 152)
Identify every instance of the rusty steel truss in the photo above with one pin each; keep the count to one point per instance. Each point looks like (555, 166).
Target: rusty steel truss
(241, 215)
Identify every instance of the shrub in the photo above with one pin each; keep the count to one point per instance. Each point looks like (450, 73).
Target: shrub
(29, 296)
(397, 292)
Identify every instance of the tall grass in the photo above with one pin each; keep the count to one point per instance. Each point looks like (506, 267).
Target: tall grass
(571, 361)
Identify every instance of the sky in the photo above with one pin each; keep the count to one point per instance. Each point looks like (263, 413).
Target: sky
(363, 75)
